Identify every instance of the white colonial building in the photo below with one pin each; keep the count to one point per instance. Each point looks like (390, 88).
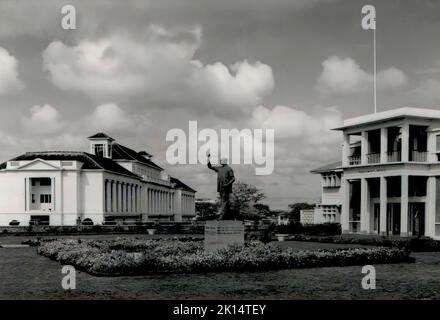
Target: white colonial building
(388, 181)
(110, 183)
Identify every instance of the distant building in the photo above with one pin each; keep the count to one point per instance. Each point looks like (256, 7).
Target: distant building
(110, 183)
(388, 181)
(307, 216)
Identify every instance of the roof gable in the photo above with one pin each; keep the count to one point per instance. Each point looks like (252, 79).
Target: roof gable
(90, 161)
(38, 164)
(101, 135)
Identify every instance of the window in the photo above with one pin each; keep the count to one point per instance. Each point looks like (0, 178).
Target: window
(99, 150)
(45, 198)
(45, 182)
(33, 198)
(437, 142)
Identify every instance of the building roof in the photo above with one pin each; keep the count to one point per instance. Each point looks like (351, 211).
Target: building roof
(389, 115)
(328, 167)
(180, 185)
(101, 135)
(89, 161)
(120, 152)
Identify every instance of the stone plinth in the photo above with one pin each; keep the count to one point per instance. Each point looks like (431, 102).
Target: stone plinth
(220, 234)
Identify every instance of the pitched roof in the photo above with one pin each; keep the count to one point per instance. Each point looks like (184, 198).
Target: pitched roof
(328, 167)
(181, 185)
(101, 135)
(120, 152)
(89, 161)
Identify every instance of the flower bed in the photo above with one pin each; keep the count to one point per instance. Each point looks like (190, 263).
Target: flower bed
(134, 257)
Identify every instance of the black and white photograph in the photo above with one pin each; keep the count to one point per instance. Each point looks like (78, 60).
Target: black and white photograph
(219, 150)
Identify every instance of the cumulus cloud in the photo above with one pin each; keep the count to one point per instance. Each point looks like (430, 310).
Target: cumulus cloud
(110, 116)
(9, 81)
(290, 123)
(345, 76)
(43, 119)
(160, 67)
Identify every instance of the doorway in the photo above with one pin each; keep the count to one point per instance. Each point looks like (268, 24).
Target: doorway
(416, 221)
(376, 218)
(393, 218)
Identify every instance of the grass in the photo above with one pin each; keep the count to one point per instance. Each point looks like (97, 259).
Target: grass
(26, 275)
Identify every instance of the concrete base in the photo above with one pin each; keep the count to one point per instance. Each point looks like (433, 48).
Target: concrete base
(220, 234)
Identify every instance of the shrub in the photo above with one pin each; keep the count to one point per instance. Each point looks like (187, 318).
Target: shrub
(14, 223)
(134, 256)
(87, 222)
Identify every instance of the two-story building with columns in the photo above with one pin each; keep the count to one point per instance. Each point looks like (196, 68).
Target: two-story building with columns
(388, 180)
(109, 183)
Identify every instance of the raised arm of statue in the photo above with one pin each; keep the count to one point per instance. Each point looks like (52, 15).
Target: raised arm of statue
(210, 166)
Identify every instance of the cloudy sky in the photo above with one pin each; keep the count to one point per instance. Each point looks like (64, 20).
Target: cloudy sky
(136, 69)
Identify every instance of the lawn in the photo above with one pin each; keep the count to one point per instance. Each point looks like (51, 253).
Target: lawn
(26, 275)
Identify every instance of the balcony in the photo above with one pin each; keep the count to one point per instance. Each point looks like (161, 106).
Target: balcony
(418, 156)
(373, 157)
(394, 156)
(354, 160)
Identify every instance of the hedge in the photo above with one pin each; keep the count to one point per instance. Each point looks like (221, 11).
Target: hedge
(325, 229)
(135, 257)
(420, 244)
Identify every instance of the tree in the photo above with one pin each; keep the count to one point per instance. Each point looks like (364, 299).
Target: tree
(295, 209)
(244, 198)
(262, 209)
(206, 210)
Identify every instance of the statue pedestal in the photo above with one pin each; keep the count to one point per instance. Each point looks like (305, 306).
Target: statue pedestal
(220, 234)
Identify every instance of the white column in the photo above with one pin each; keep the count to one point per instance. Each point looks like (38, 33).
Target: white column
(127, 187)
(345, 150)
(122, 197)
(383, 145)
(364, 147)
(108, 197)
(118, 198)
(431, 146)
(383, 206)
(178, 205)
(430, 207)
(365, 207)
(129, 198)
(405, 142)
(140, 207)
(113, 198)
(345, 211)
(404, 206)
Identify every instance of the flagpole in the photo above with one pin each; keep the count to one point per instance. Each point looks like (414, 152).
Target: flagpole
(374, 63)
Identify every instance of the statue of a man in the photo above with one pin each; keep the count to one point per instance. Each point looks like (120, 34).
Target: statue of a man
(225, 179)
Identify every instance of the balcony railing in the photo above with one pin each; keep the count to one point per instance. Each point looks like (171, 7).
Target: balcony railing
(394, 156)
(418, 156)
(373, 157)
(354, 160)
